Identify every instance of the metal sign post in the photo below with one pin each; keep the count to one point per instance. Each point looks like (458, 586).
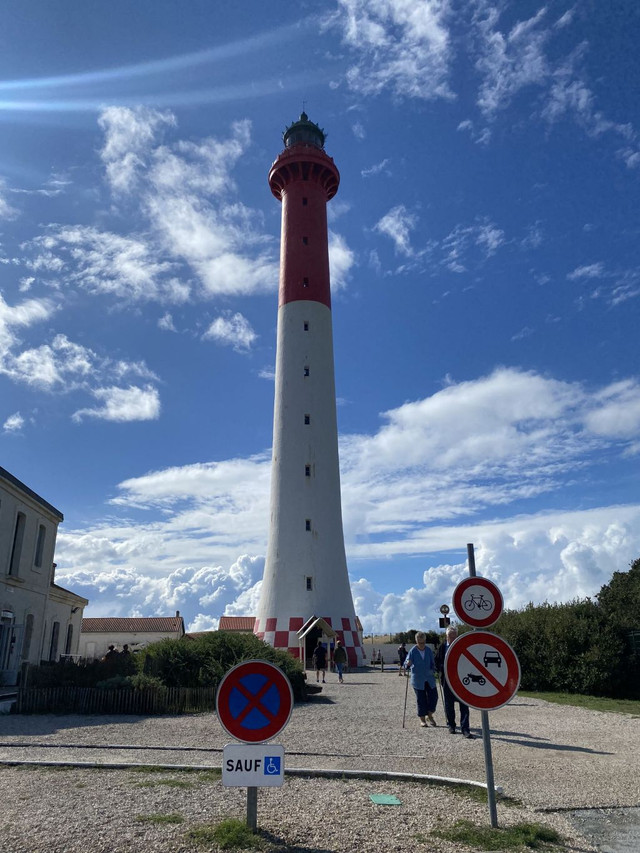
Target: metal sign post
(486, 730)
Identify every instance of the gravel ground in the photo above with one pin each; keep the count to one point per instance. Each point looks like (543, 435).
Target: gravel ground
(549, 758)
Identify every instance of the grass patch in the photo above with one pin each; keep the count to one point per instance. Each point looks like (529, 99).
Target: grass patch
(228, 834)
(160, 818)
(169, 783)
(209, 775)
(522, 836)
(591, 703)
(472, 792)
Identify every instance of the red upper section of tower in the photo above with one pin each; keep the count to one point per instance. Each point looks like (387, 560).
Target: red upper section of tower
(304, 178)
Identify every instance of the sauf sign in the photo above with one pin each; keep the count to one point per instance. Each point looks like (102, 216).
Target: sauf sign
(254, 765)
(254, 703)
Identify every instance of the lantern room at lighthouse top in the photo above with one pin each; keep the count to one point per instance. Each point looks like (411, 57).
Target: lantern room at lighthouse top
(304, 157)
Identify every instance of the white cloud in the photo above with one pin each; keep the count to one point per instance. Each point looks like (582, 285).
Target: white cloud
(123, 404)
(129, 137)
(6, 211)
(233, 330)
(13, 423)
(341, 259)
(22, 315)
(399, 45)
(508, 61)
(587, 271)
(412, 489)
(376, 169)
(105, 263)
(166, 323)
(397, 224)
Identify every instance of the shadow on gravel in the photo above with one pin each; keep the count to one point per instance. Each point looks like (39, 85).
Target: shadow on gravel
(560, 747)
(319, 700)
(517, 734)
(282, 844)
(49, 724)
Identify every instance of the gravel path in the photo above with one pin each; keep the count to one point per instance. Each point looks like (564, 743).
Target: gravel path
(549, 758)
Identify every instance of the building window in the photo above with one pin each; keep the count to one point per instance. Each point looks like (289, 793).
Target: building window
(67, 645)
(305, 241)
(55, 633)
(305, 282)
(307, 470)
(306, 325)
(304, 202)
(307, 420)
(306, 370)
(42, 532)
(16, 550)
(309, 581)
(307, 524)
(28, 635)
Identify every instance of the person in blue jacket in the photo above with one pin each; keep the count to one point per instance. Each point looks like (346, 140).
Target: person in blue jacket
(423, 681)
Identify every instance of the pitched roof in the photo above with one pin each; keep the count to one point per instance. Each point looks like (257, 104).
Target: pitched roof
(237, 623)
(117, 625)
(27, 491)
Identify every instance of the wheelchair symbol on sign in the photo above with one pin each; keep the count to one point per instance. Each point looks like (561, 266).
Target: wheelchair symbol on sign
(272, 765)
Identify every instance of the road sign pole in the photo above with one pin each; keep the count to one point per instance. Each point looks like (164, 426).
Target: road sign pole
(488, 766)
(252, 809)
(486, 730)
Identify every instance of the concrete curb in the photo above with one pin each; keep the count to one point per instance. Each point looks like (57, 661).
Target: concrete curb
(293, 771)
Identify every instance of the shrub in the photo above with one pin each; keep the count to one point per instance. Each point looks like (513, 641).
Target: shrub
(204, 661)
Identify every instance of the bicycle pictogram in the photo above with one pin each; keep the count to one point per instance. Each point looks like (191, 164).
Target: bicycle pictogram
(478, 601)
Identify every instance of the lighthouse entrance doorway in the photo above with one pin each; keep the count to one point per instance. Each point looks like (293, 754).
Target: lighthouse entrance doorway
(314, 629)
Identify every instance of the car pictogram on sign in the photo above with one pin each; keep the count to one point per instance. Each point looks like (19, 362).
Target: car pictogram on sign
(492, 657)
(482, 670)
(254, 701)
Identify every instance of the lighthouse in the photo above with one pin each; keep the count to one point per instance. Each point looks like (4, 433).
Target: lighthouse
(305, 573)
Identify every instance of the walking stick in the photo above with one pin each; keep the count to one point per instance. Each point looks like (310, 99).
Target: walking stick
(440, 685)
(406, 690)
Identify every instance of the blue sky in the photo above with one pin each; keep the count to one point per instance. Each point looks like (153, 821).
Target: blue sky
(485, 274)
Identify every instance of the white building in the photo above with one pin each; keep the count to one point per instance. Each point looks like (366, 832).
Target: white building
(39, 620)
(98, 633)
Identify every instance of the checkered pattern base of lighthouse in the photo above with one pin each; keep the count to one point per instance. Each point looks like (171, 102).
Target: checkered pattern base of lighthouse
(283, 634)
(305, 571)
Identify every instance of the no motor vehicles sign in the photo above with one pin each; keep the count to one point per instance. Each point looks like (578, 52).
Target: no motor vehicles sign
(482, 670)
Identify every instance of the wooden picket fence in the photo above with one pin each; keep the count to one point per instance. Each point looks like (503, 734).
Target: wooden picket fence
(94, 700)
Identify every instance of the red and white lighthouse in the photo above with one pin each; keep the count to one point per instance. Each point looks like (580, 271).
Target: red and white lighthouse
(305, 573)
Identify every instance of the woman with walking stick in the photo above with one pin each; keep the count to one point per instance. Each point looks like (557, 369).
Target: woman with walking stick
(420, 659)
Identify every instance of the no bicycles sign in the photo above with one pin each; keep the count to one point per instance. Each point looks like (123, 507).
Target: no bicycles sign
(478, 602)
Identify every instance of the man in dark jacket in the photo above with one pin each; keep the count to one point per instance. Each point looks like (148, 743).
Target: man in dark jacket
(449, 698)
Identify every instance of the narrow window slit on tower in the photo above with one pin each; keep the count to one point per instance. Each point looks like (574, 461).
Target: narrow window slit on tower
(305, 282)
(307, 524)
(307, 420)
(304, 202)
(307, 470)
(306, 325)
(305, 241)
(309, 581)
(306, 370)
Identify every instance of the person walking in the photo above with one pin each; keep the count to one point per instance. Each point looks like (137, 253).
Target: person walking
(402, 656)
(449, 697)
(320, 661)
(420, 659)
(340, 659)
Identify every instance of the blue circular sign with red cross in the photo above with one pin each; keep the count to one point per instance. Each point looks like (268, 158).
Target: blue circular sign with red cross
(254, 701)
